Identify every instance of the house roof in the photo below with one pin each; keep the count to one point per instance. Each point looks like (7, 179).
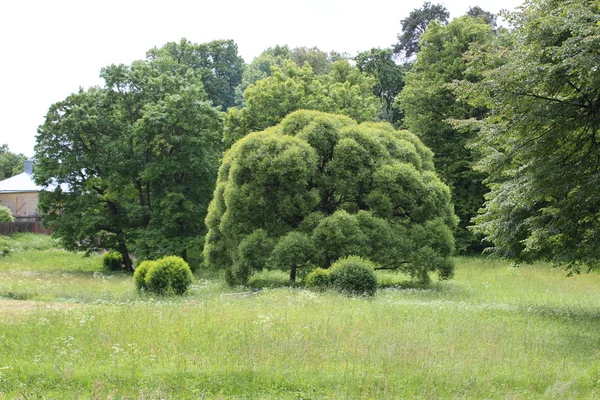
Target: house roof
(22, 183)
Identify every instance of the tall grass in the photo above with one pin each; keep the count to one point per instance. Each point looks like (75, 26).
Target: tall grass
(493, 332)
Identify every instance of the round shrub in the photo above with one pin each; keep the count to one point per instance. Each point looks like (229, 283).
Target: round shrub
(112, 261)
(139, 276)
(4, 247)
(169, 275)
(354, 276)
(6, 215)
(318, 279)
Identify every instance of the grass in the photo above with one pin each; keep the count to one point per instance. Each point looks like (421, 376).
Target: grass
(493, 332)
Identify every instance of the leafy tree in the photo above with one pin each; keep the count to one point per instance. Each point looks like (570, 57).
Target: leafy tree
(10, 163)
(320, 62)
(345, 90)
(540, 137)
(380, 64)
(139, 157)
(217, 63)
(318, 187)
(415, 25)
(488, 17)
(429, 103)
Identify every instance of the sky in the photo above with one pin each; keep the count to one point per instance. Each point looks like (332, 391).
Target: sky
(51, 48)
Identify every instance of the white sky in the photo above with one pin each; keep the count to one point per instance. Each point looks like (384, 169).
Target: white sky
(50, 48)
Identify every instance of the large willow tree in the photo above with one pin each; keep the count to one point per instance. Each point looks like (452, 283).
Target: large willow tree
(318, 187)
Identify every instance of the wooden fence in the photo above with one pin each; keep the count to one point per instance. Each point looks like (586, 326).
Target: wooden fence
(7, 228)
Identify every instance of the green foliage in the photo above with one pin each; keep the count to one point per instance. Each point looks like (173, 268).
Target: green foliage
(318, 187)
(139, 276)
(389, 77)
(112, 261)
(168, 275)
(345, 90)
(139, 156)
(217, 63)
(415, 24)
(293, 251)
(4, 247)
(261, 67)
(10, 163)
(318, 279)
(539, 139)
(354, 276)
(6, 215)
(430, 106)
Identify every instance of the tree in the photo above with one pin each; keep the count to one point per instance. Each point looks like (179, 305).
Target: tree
(318, 187)
(540, 137)
(429, 103)
(415, 25)
(320, 62)
(379, 63)
(345, 90)
(10, 163)
(139, 157)
(217, 63)
(488, 17)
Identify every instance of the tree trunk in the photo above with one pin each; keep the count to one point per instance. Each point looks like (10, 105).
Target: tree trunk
(293, 274)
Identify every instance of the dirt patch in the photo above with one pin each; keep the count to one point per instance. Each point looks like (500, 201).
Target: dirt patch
(11, 307)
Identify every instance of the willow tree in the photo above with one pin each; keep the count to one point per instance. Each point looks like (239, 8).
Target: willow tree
(318, 187)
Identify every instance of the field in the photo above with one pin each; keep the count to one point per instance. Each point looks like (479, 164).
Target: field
(69, 329)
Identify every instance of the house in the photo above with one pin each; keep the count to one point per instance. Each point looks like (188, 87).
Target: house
(20, 194)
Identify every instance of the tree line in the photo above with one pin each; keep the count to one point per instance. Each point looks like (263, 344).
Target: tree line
(510, 115)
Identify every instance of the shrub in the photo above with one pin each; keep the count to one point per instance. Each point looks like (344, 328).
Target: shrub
(354, 276)
(4, 247)
(112, 261)
(139, 276)
(318, 279)
(169, 275)
(6, 215)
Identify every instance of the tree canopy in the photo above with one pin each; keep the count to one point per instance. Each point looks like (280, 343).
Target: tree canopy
(139, 158)
(216, 63)
(318, 187)
(10, 163)
(415, 25)
(380, 64)
(429, 103)
(540, 138)
(344, 90)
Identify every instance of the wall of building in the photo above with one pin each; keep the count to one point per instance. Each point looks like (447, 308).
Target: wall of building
(21, 204)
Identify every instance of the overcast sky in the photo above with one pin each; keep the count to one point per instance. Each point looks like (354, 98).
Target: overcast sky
(50, 48)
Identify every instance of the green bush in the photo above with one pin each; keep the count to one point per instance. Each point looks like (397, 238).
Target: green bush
(6, 215)
(318, 279)
(4, 247)
(354, 275)
(112, 261)
(169, 275)
(139, 276)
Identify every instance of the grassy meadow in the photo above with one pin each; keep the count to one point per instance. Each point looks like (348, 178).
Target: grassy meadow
(69, 329)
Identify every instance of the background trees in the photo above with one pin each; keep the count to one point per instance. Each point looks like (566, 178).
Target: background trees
(216, 63)
(10, 163)
(318, 187)
(415, 25)
(430, 103)
(389, 80)
(344, 90)
(540, 138)
(139, 157)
